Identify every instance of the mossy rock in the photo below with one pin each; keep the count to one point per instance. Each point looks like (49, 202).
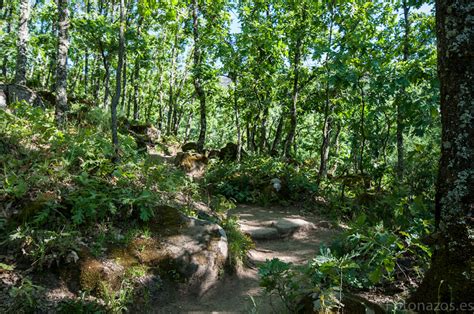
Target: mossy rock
(97, 273)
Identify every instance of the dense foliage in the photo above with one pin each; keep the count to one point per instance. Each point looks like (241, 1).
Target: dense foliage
(331, 105)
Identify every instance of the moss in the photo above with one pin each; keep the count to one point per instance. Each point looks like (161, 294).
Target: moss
(124, 257)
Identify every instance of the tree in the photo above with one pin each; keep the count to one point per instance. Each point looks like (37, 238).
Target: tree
(197, 76)
(61, 62)
(450, 277)
(22, 58)
(118, 83)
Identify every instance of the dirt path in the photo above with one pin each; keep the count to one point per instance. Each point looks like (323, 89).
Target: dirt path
(277, 232)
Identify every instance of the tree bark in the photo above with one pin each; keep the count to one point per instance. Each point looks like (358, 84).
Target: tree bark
(7, 17)
(124, 81)
(61, 62)
(294, 99)
(198, 78)
(277, 138)
(362, 127)
(237, 121)
(400, 122)
(22, 58)
(171, 84)
(135, 90)
(450, 277)
(327, 124)
(118, 84)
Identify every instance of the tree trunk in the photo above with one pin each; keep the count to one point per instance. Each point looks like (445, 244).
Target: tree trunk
(362, 128)
(450, 277)
(294, 99)
(135, 90)
(198, 78)
(277, 139)
(263, 130)
(61, 63)
(237, 121)
(324, 156)
(86, 56)
(171, 84)
(21, 59)
(124, 81)
(400, 122)
(118, 84)
(7, 17)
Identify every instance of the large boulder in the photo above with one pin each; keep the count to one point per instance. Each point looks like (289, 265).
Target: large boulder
(144, 134)
(199, 253)
(17, 92)
(192, 251)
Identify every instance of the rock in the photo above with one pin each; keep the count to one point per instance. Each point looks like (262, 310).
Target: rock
(144, 134)
(260, 232)
(17, 92)
(229, 152)
(189, 147)
(290, 226)
(199, 252)
(193, 163)
(94, 273)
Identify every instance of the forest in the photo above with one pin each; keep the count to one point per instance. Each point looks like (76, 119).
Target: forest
(236, 156)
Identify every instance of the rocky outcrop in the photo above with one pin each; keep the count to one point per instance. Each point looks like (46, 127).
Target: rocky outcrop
(200, 252)
(192, 251)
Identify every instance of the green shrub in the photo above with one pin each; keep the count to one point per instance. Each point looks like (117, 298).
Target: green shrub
(250, 181)
(239, 243)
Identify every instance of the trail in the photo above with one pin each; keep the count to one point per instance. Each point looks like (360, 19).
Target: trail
(278, 232)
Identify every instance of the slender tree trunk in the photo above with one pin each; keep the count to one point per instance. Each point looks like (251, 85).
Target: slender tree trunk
(61, 62)
(198, 78)
(450, 277)
(171, 84)
(294, 99)
(362, 128)
(21, 59)
(135, 90)
(336, 150)
(278, 132)
(400, 122)
(86, 55)
(247, 131)
(7, 17)
(160, 105)
(118, 83)
(124, 80)
(324, 156)
(237, 121)
(263, 130)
